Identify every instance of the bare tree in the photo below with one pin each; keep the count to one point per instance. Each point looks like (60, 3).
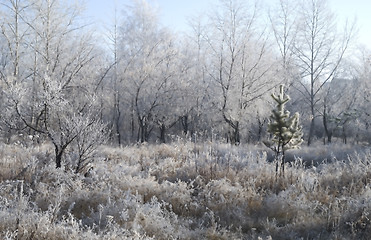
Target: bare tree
(14, 31)
(60, 51)
(147, 57)
(363, 76)
(112, 72)
(90, 135)
(239, 61)
(13, 35)
(319, 50)
(339, 106)
(199, 110)
(283, 19)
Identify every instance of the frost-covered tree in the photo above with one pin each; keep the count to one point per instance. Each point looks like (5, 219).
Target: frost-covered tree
(340, 107)
(285, 129)
(112, 72)
(239, 62)
(363, 103)
(319, 49)
(149, 72)
(13, 33)
(54, 100)
(283, 19)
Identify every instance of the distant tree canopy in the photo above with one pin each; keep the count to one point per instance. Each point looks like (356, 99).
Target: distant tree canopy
(59, 80)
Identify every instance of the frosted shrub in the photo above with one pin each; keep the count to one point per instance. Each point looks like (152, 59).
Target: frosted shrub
(155, 220)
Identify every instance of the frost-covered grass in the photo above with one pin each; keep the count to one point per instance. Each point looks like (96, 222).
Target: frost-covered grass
(186, 191)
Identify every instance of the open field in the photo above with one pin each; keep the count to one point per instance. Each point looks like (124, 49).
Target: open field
(186, 191)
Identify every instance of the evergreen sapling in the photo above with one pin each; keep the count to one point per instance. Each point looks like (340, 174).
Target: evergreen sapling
(285, 130)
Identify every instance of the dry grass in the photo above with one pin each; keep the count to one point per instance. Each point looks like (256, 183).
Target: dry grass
(184, 191)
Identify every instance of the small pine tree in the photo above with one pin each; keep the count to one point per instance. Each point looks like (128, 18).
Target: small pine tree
(285, 130)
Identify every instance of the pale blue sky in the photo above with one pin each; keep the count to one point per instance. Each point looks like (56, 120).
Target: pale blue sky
(174, 13)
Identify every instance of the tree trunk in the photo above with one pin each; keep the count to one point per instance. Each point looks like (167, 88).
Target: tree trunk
(132, 122)
(235, 138)
(58, 156)
(311, 132)
(260, 129)
(142, 133)
(117, 118)
(118, 132)
(329, 138)
(184, 121)
(141, 129)
(162, 133)
(283, 162)
(237, 134)
(327, 131)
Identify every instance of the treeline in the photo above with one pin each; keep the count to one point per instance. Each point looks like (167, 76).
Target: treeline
(64, 83)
